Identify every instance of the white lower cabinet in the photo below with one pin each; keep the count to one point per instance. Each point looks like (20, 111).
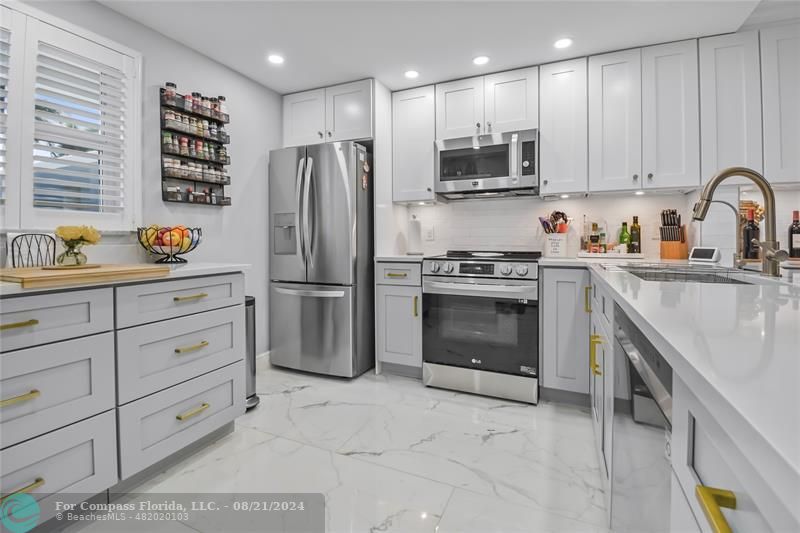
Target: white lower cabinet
(601, 389)
(718, 477)
(681, 517)
(565, 304)
(398, 320)
(159, 425)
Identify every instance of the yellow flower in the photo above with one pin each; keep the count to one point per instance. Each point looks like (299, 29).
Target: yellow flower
(86, 234)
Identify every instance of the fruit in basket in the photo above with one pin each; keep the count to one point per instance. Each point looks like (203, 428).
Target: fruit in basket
(172, 238)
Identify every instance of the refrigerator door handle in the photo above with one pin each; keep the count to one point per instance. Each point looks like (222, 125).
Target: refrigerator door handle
(311, 293)
(308, 233)
(298, 191)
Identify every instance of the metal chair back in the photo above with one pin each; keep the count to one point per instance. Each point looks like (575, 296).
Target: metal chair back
(32, 250)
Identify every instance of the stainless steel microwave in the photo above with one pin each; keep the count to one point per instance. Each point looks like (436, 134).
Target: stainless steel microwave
(492, 165)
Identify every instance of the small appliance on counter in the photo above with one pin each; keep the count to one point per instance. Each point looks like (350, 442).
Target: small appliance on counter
(480, 314)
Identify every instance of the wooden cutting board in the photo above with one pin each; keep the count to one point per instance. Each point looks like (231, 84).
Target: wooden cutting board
(37, 277)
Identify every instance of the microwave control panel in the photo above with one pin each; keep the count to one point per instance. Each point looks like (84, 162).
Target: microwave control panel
(528, 158)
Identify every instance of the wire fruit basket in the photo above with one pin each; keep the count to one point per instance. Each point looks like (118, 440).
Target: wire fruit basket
(170, 243)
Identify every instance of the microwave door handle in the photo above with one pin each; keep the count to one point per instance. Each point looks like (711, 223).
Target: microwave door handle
(308, 236)
(298, 187)
(515, 163)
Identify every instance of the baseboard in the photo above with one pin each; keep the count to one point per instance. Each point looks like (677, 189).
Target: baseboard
(563, 396)
(401, 370)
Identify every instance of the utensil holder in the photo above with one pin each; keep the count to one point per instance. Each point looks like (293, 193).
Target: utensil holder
(555, 245)
(674, 250)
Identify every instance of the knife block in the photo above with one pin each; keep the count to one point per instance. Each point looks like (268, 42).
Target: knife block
(674, 250)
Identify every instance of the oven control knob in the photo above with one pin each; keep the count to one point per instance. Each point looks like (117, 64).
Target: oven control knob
(522, 270)
(448, 267)
(505, 270)
(434, 267)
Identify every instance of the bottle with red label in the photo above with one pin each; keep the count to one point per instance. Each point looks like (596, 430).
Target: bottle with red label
(794, 236)
(750, 231)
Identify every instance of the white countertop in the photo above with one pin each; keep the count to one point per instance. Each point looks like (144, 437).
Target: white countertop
(399, 258)
(185, 270)
(737, 347)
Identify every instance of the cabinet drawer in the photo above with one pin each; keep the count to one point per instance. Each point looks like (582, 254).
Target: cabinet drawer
(31, 320)
(51, 386)
(704, 454)
(398, 274)
(80, 459)
(156, 356)
(158, 425)
(151, 302)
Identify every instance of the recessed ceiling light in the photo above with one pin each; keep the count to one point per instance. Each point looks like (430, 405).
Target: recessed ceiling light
(275, 59)
(563, 43)
(639, 193)
(564, 196)
(411, 74)
(480, 60)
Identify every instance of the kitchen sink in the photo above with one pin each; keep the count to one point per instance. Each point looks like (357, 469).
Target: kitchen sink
(692, 274)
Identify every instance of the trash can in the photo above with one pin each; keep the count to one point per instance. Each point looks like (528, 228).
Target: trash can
(250, 357)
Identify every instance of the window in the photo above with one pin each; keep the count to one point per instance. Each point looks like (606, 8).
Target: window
(77, 158)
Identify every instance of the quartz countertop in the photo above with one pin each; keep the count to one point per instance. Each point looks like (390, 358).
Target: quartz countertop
(737, 347)
(185, 270)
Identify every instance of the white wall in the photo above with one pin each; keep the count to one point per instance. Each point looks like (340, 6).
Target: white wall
(513, 223)
(231, 234)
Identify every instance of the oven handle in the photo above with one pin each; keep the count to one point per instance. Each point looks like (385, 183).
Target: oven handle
(527, 292)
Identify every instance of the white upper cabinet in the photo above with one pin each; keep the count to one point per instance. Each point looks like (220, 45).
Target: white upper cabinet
(304, 118)
(459, 108)
(615, 121)
(511, 100)
(670, 116)
(563, 149)
(780, 70)
(348, 111)
(338, 113)
(730, 103)
(413, 136)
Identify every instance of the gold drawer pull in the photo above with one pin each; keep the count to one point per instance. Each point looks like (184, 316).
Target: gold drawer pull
(21, 398)
(397, 274)
(594, 340)
(416, 312)
(192, 348)
(15, 325)
(194, 412)
(38, 482)
(197, 296)
(587, 306)
(711, 500)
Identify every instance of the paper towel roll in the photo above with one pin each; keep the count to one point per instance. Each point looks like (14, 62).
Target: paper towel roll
(414, 236)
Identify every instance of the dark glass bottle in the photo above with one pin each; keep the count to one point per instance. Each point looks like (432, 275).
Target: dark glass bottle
(750, 232)
(635, 246)
(624, 236)
(794, 235)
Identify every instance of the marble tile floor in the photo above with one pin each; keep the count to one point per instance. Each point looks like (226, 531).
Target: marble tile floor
(391, 455)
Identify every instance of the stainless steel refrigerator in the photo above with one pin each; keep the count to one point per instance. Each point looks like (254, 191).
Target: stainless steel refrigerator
(321, 254)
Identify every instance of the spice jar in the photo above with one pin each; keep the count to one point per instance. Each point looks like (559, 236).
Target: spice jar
(184, 142)
(169, 114)
(170, 91)
(188, 101)
(166, 139)
(223, 106)
(197, 104)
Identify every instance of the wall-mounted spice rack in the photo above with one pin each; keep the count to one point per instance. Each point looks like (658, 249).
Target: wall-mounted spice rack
(193, 148)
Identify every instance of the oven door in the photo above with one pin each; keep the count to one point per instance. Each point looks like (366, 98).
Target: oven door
(482, 325)
(500, 161)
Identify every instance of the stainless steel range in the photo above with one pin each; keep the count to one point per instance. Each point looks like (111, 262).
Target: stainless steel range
(481, 323)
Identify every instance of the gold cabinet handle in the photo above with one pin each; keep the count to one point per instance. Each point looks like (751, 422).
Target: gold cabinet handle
(192, 348)
(416, 312)
(397, 274)
(38, 482)
(21, 398)
(15, 325)
(594, 340)
(587, 306)
(197, 296)
(193, 412)
(711, 500)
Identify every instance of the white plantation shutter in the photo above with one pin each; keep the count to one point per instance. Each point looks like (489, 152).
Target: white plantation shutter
(12, 48)
(5, 65)
(83, 133)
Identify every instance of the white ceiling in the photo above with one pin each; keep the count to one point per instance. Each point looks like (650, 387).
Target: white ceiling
(328, 42)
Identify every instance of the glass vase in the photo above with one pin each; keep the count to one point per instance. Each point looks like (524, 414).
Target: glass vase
(72, 254)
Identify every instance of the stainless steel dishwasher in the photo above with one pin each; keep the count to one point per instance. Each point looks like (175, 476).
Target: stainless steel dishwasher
(641, 466)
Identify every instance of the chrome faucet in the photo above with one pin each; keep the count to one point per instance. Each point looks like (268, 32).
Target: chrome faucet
(771, 254)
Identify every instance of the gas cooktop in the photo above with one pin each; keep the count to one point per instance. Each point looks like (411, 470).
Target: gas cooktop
(489, 256)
